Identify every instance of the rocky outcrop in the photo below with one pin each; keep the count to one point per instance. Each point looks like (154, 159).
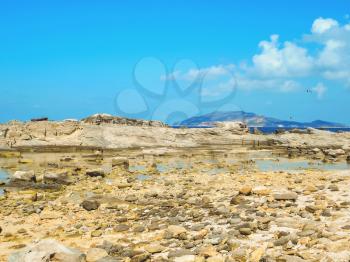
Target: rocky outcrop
(28, 176)
(234, 127)
(47, 250)
(60, 177)
(99, 119)
(109, 132)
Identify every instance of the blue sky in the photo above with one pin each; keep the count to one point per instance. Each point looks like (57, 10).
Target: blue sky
(162, 60)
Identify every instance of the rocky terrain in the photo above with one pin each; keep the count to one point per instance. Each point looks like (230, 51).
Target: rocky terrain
(106, 191)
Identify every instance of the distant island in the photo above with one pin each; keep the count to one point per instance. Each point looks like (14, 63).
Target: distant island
(253, 120)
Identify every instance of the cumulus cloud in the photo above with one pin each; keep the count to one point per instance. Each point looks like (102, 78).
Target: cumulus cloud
(321, 25)
(284, 65)
(286, 61)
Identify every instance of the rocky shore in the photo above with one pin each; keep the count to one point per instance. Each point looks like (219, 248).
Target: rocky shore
(109, 191)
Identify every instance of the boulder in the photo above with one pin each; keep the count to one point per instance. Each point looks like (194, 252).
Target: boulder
(95, 254)
(90, 205)
(176, 231)
(286, 196)
(236, 127)
(60, 177)
(28, 176)
(120, 162)
(95, 173)
(47, 250)
(246, 190)
(334, 152)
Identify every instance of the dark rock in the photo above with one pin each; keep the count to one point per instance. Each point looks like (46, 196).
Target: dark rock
(90, 205)
(95, 173)
(121, 228)
(281, 241)
(245, 231)
(60, 177)
(333, 188)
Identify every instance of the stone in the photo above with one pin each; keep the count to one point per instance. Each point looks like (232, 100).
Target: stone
(96, 233)
(180, 253)
(120, 162)
(207, 251)
(335, 152)
(261, 191)
(326, 213)
(257, 254)
(95, 173)
(311, 209)
(236, 200)
(47, 250)
(141, 257)
(218, 258)
(90, 205)
(286, 196)
(154, 248)
(121, 228)
(186, 258)
(281, 241)
(289, 258)
(333, 188)
(246, 190)
(245, 231)
(176, 231)
(28, 176)
(95, 254)
(60, 177)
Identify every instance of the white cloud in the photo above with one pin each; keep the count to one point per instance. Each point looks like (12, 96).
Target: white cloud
(290, 60)
(319, 89)
(283, 66)
(322, 25)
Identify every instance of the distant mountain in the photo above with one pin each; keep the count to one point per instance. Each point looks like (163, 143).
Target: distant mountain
(253, 120)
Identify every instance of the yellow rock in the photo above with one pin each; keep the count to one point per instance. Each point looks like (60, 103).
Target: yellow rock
(217, 258)
(257, 254)
(208, 251)
(261, 191)
(246, 190)
(25, 161)
(9, 154)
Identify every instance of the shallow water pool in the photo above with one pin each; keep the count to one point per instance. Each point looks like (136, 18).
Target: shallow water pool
(3, 177)
(282, 164)
(142, 177)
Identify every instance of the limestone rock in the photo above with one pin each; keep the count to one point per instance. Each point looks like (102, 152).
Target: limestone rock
(95, 173)
(47, 250)
(60, 177)
(90, 205)
(286, 196)
(95, 254)
(28, 176)
(120, 162)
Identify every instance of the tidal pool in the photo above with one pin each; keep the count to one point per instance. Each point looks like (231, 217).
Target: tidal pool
(142, 177)
(3, 177)
(284, 164)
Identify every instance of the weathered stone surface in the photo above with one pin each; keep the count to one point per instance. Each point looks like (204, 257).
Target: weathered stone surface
(95, 173)
(95, 254)
(28, 176)
(120, 162)
(90, 205)
(47, 250)
(60, 177)
(286, 196)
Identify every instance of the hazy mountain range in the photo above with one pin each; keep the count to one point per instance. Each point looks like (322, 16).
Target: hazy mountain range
(253, 120)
